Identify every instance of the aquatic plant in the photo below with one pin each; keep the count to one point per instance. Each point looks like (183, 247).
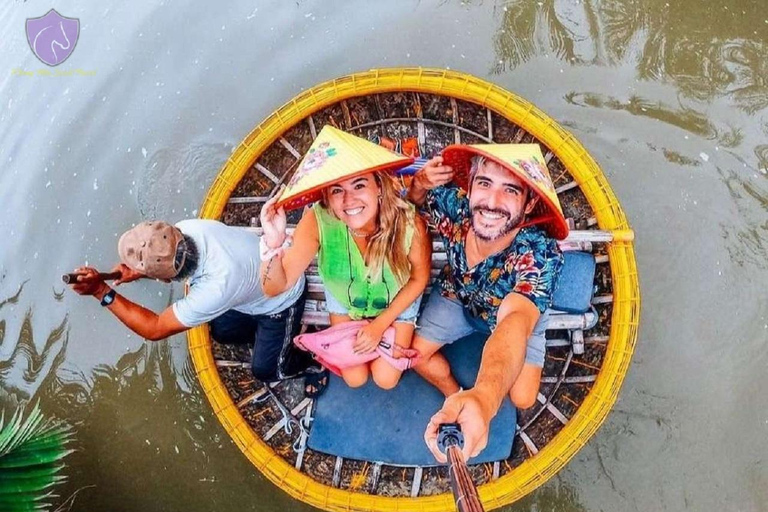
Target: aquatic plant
(32, 449)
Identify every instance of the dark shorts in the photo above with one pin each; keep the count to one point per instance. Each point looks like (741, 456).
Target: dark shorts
(275, 357)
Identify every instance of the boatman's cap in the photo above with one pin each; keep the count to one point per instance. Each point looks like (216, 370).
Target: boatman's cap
(527, 163)
(336, 156)
(150, 248)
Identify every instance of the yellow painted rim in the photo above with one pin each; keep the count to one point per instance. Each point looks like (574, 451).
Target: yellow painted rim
(626, 293)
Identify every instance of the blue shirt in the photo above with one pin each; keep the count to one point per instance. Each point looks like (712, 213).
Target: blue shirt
(227, 275)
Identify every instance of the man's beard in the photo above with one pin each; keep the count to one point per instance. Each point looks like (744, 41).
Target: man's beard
(507, 228)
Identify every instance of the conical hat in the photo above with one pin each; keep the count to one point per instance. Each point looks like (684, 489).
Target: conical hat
(527, 163)
(336, 156)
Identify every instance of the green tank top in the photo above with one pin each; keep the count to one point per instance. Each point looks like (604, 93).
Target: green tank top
(342, 268)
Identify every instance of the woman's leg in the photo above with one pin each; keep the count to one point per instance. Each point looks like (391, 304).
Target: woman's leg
(384, 374)
(355, 376)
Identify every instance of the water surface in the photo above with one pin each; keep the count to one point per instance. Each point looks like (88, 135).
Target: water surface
(670, 99)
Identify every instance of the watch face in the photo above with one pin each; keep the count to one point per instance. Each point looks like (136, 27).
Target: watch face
(108, 298)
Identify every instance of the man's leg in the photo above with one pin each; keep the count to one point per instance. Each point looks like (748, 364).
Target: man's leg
(433, 366)
(274, 355)
(525, 389)
(233, 328)
(441, 322)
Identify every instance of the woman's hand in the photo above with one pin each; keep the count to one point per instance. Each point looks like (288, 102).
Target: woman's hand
(368, 338)
(274, 222)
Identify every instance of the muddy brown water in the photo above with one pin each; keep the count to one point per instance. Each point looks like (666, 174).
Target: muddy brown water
(670, 98)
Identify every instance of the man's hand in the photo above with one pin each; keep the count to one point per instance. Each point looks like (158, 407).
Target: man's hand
(127, 274)
(470, 410)
(433, 174)
(89, 283)
(368, 338)
(274, 222)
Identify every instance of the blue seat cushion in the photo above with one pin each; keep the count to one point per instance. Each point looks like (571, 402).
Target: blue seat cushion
(576, 283)
(368, 423)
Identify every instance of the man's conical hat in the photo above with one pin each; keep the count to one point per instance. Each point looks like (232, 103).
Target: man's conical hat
(527, 163)
(336, 156)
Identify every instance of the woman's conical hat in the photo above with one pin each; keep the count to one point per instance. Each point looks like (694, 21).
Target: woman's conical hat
(336, 156)
(527, 163)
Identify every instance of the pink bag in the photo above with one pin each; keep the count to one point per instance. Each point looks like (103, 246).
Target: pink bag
(333, 348)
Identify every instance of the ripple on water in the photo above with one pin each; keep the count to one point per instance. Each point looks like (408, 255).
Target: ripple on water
(174, 181)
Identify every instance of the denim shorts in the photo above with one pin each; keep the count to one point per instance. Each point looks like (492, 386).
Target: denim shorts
(445, 320)
(336, 308)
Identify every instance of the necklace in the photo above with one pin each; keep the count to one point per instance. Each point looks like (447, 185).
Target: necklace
(358, 235)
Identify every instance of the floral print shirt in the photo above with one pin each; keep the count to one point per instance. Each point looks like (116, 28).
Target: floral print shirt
(530, 266)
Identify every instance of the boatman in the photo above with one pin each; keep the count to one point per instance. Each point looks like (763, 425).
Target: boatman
(503, 266)
(221, 265)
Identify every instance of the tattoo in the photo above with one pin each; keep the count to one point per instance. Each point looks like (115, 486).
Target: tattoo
(266, 272)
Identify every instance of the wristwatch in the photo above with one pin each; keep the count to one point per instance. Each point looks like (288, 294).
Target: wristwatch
(108, 298)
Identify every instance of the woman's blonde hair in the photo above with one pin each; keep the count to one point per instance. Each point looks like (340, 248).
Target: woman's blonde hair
(388, 242)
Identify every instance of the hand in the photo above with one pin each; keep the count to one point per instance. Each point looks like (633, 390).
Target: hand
(127, 274)
(468, 409)
(368, 338)
(89, 283)
(433, 174)
(274, 222)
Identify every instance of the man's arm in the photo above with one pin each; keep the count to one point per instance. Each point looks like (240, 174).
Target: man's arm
(504, 352)
(432, 175)
(144, 322)
(140, 320)
(500, 366)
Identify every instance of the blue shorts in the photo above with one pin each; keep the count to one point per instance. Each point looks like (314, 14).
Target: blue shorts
(335, 307)
(445, 320)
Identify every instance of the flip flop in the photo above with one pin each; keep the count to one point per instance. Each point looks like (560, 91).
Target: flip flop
(315, 384)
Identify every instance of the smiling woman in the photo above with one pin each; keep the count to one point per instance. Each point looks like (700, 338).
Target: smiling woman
(590, 340)
(373, 254)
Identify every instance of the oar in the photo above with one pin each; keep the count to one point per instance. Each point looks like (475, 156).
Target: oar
(450, 440)
(102, 276)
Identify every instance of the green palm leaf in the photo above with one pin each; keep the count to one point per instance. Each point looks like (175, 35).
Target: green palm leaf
(31, 452)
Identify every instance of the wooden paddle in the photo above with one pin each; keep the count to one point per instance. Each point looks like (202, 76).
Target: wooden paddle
(102, 276)
(450, 440)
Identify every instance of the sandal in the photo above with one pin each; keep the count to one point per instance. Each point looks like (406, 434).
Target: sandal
(315, 384)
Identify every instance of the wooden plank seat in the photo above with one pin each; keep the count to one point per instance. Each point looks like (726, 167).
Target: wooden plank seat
(315, 313)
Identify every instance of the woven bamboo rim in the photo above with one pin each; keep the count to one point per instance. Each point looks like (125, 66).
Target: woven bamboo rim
(534, 471)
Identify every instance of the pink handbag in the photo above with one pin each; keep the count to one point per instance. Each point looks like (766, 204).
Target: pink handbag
(333, 348)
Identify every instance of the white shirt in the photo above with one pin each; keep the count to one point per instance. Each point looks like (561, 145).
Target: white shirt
(227, 275)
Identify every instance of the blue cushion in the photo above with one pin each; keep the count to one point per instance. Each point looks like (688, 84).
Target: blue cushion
(576, 283)
(368, 423)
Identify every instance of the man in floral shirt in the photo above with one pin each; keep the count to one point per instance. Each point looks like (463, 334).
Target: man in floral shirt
(503, 266)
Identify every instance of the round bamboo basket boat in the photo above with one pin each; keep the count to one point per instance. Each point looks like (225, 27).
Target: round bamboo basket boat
(581, 378)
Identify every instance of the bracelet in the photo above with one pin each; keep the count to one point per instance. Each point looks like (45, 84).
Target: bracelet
(266, 253)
